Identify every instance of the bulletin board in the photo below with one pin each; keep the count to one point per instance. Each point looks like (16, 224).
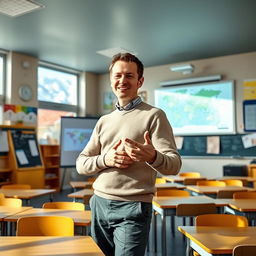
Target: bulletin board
(26, 149)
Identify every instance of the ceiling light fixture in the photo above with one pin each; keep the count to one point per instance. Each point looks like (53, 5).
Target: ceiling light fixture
(183, 68)
(110, 52)
(16, 8)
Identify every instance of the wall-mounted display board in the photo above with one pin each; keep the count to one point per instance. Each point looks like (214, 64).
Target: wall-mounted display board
(26, 148)
(230, 146)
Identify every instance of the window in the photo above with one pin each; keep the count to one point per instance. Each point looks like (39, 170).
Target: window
(1, 87)
(57, 96)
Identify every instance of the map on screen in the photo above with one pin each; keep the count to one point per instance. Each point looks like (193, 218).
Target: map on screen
(199, 109)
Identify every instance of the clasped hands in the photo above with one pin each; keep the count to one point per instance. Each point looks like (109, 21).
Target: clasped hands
(130, 152)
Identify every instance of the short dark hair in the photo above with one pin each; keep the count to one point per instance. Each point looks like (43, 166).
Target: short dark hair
(128, 57)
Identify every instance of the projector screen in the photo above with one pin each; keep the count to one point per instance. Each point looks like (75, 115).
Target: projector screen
(199, 109)
(75, 134)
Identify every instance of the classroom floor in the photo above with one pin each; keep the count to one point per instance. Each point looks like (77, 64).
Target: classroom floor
(176, 246)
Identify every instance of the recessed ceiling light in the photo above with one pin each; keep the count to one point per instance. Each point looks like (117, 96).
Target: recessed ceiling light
(15, 8)
(110, 52)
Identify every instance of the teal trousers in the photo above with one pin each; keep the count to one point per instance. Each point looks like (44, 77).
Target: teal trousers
(120, 228)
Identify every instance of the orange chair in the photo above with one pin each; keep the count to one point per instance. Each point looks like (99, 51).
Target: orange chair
(64, 205)
(215, 183)
(192, 181)
(232, 182)
(45, 226)
(245, 195)
(160, 180)
(172, 192)
(11, 202)
(190, 174)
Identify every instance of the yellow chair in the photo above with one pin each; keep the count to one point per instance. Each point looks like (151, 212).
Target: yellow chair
(65, 205)
(232, 182)
(16, 186)
(45, 226)
(172, 192)
(192, 181)
(245, 195)
(227, 193)
(11, 202)
(244, 250)
(160, 180)
(215, 183)
(225, 220)
(222, 220)
(2, 196)
(190, 174)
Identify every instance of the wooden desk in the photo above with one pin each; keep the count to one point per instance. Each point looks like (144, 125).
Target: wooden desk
(166, 206)
(81, 218)
(245, 207)
(217, 240)
(48, 245)
(6, 211)
(244, 179)
(80, 184)
(26, 194)
(169, 185)
(180, 179)
(84, 194)
(213, 190)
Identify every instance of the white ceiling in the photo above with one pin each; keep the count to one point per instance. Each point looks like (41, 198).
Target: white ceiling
(70, 32)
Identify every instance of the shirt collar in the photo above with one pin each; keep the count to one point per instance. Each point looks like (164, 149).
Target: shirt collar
(130, 105)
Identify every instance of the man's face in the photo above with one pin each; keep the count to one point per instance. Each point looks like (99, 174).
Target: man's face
(125, 82)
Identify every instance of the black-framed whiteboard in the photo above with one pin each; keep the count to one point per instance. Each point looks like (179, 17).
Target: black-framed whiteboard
(75, 134)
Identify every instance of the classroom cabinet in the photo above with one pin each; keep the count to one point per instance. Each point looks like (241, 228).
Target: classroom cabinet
(5, 170)
(51, 159)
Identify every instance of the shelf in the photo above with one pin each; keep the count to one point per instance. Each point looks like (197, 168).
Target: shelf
(5, 170)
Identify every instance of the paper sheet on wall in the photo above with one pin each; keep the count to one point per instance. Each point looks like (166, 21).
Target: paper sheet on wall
(33, 147)
(4, 146)
(179, 142)
(21, 156)
(213, 145)
(249, 140)
(249, 89)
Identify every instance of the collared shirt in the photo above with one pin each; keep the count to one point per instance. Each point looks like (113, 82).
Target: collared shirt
(130, 105)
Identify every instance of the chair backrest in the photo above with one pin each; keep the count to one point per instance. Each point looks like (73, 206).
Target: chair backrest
(11, 202)
(192, 181)
(238, 183)
(190, 174)
(245, 195)
(64, 205)
(227, 193)
(244, 250)
(2, 196)
(45, 226)
(192, 210)
(16, 186)
(225, 220)
(215, 183)
(172, 192)
(91, 179)
(160, 180)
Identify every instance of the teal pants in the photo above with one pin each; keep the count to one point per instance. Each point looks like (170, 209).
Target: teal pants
(120, 228)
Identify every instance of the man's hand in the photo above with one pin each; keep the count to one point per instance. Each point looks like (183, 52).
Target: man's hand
(117, 158)
(141, 152)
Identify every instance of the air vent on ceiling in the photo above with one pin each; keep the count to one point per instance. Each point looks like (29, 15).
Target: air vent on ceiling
(15, 8)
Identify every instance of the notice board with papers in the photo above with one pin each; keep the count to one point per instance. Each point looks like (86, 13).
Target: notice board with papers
(230, 146)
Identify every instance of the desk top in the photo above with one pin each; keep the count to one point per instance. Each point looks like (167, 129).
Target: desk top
(6, 211)
(219, 240)
(214, 189)
(81, 218)
(243, 205)
(26, 193)
(177, 178)
(81, 193)
(246, 178)
(166, 202)
(48, 245)
(169, 185)
(81, 184)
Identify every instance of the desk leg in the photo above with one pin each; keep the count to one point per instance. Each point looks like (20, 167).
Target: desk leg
(164, 251)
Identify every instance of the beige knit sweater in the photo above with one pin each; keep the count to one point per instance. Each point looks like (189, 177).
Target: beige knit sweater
(137, 182)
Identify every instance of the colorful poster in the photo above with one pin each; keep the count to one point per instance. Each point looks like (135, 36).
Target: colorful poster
(20, 114)
(249, 89)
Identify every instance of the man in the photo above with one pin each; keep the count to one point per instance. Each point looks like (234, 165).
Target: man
(126, 150)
